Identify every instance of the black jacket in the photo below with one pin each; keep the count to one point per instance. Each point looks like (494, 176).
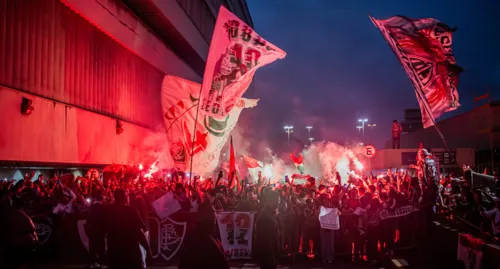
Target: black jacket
(96, 220)
(202, 250)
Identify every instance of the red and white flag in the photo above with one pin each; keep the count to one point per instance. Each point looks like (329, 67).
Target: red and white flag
(233, 177)
(299, 162)
(179, 98)
(254, 167)
(232, 159)
(251, 162)
(423, 46)
(236, 52)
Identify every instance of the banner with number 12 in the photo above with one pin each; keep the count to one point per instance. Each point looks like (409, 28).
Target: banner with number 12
(236, 230)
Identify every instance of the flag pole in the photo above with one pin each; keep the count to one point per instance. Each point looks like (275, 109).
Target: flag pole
(423, 100)
(194, 136)
(434, 122)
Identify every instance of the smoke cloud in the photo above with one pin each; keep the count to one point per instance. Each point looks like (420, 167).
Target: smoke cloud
(321, 160)
(154, 148)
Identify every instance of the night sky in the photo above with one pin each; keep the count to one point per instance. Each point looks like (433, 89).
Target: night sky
(339, 67)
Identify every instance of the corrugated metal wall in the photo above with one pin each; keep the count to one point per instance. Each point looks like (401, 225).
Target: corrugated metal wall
(48, 50)
(201, 16)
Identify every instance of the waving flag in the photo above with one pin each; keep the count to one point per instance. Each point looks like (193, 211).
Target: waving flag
(179, 104)
(423, 46)
(299, 162)
(253, 166)
(251, 162)
(166, 205)
(300, 179)
(232, 159)
(236, 52)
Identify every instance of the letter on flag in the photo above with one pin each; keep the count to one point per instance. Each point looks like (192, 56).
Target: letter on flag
(423, 46)
(179, 104)
(236, 52)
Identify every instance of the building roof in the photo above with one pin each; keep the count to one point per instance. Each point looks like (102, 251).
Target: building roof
(471, 129)
(187, 26)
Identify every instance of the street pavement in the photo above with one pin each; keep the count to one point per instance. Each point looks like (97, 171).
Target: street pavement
(411, 259)
(301, 265)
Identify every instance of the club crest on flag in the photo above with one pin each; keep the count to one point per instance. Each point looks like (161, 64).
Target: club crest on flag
(178, 151)
(44, 229)
(171, 236)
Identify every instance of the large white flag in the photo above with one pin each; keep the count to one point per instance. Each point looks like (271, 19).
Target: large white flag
(179, 104)
(236, 52)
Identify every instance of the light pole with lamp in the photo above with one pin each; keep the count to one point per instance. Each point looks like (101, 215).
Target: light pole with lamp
(311, 140)
(309, 130)
(288, 130)
(371, 126)
(359, 128)
(363, 124)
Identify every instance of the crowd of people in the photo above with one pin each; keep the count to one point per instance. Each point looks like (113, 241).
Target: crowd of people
(479, 207)
(292, 209)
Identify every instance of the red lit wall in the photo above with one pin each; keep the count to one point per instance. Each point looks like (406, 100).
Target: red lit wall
(57, 133)
(48, 50)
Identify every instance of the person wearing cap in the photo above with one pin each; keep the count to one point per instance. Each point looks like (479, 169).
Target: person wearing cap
(267, 233)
